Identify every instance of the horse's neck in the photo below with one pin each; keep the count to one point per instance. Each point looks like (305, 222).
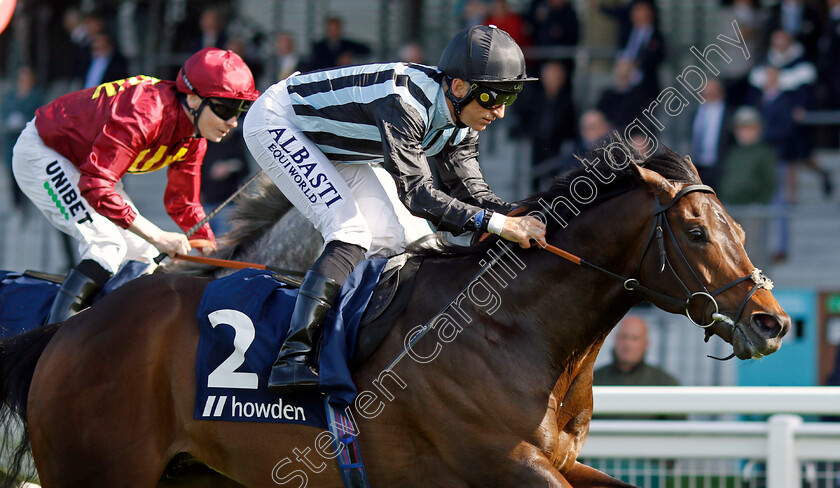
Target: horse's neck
(556, 324)
(590, 303)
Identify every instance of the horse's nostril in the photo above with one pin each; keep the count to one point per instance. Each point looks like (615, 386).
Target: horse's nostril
(768, 325)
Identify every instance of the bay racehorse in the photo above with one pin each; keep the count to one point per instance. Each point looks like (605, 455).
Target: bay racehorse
(499, 394)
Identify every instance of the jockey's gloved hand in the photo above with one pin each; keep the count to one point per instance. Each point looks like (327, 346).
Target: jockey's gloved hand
(172, 243)
(523, 230)
(166, 242)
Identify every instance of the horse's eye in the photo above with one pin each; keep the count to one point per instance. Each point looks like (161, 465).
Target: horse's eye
(697, 234)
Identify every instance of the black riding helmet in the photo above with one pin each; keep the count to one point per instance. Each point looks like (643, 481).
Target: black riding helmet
(490, 60)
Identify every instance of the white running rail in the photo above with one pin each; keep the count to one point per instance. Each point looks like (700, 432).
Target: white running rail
(784, 440)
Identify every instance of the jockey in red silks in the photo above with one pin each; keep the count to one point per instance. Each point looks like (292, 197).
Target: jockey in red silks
(70, 158)
(321, 137)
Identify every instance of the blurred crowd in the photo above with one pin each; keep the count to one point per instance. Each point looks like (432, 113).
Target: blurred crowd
(747, 140)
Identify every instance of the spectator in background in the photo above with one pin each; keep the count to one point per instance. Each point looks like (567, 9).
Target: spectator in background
(554, 23)
(246, 52)
(629, 367)
(645, 46)
(412, 52)
(509, 21)
(796, 76)
(18, 108)
(106, 62)
(82, 29)
(284, 61)
(594, 127)
(212, 28)
(776, 107)
(797, 18)
(735, 74)
(471, 12)
(546, 115)
(334, 50)
(625, 99)
(74, 26)
(620, 12)
(749, 173)
(828, 67)
(710, 135)
(750, 177)
(222, 173)
(68, 54)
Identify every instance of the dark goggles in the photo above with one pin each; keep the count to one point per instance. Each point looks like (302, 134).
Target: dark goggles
(492, 99)
(225, 108)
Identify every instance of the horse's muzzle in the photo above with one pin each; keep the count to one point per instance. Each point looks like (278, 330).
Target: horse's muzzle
(770, 326)
(760, 336)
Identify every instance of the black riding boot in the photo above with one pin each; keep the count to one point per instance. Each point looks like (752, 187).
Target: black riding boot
(294, 370)
(78, 289)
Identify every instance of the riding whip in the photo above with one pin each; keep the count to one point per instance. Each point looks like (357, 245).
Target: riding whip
(192, 230)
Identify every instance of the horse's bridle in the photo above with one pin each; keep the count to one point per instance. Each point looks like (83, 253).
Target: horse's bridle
(658, 231)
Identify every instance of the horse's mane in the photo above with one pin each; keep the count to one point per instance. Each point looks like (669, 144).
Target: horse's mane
(666, 162)
(255, 212)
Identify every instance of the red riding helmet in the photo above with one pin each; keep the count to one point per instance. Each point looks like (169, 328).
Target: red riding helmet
(217, 73)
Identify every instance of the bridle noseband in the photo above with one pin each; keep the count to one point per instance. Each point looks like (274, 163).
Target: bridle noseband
(660, 228)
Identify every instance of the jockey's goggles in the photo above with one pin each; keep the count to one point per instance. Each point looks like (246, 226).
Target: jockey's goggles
(490, 98)
(225, 108)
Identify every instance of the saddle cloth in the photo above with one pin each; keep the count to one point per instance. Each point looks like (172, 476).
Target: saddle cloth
(26, 298)
(243, 320)
(25, 302)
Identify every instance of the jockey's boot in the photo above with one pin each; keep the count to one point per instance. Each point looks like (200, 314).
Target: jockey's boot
(295, 369)
(79, 287)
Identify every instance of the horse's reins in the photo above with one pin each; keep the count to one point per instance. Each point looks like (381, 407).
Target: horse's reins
(286, 274)
(661, 226)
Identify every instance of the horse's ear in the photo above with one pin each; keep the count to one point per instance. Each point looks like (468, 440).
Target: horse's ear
(691, 165)
(656, 183)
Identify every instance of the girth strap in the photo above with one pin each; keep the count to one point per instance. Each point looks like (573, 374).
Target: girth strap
(346, 444)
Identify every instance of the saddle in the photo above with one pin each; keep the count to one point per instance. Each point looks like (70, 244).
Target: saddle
(388, 301)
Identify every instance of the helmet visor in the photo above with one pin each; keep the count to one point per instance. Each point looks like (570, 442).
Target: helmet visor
(490, 98)
(225, 108)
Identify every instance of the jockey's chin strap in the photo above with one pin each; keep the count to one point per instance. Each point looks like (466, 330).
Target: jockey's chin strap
(195, 112)
(660, 228)
(458, 104)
